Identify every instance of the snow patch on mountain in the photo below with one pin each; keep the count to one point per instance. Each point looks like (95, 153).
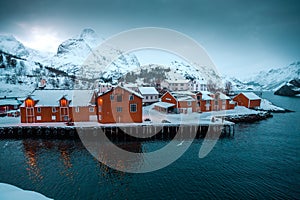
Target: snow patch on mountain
(274, 78)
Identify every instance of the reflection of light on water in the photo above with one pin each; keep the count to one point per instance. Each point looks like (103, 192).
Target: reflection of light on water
(34, 172)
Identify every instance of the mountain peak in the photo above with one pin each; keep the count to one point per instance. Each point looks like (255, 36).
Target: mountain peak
(9, 44)
(88, 32)
(90, 37)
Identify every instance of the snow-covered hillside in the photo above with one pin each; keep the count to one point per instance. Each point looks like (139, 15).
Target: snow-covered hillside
(80, 58)
(274, 78)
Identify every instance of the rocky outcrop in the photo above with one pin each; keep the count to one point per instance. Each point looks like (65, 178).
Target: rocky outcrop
(248, 118)
(292, 88)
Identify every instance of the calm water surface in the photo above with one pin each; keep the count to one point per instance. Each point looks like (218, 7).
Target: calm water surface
(261, 161)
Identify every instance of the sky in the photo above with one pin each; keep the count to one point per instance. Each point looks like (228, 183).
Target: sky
(241, 37)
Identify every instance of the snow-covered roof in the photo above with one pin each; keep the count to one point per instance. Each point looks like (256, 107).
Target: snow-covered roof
(182, 93)
(164, 104)
(251, 95)
(148, 90)
(186, 98)
(206, 97)
(52, 97)
(223, 96)
(124, 88)
(205, 92)
(178, 81)
(7, 102)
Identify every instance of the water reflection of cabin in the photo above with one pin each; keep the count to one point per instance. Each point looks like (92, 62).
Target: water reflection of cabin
(59, 106)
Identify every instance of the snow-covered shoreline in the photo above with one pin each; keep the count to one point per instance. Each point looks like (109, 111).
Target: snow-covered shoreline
(11, 192)
(266, 105)
(158, 119)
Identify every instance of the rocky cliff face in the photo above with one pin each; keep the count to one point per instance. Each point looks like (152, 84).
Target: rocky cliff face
(292, 88)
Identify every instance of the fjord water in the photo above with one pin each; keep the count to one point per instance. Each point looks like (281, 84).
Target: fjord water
(262, 160)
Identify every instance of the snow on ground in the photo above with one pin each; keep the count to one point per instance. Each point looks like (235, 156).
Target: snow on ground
(155, 116)
(7, 121)
(14, 193)
(11, 90)
(268, 106)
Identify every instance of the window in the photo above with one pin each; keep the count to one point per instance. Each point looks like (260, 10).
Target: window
(91, 109)
(181, 84)
(216, 102)
(146, 97)
(223, 102)
(150, 97)
(155, 97)
(76, 109)
(100, 109)
(189, 103)
(38, 118)
(119, 98)
(112, 97)
(207, 102)
(53, 109)
(38, 109)
(133, 108)
(131, 97)
(53, 117)
(198, 97)
(119, 109)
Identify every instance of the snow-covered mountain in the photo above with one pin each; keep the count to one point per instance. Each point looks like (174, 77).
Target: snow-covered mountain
(274, 78)
(81, 56)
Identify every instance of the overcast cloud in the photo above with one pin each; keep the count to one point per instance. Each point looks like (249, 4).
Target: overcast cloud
(240, 36)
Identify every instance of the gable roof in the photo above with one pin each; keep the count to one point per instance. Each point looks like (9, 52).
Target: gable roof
(164, 104)
(183, 96)
(52, 97)
(251, 95)
(148, 90)
(222, 96)
(124, 88)
(9, 102)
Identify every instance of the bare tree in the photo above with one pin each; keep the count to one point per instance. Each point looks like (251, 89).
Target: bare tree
(228, 87)
(211, 86)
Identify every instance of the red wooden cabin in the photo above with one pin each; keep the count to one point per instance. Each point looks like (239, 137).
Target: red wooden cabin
(120, 105)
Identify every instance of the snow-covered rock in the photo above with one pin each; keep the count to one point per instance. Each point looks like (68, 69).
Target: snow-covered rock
(292, 88)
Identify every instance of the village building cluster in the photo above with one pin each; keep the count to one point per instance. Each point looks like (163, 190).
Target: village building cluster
(122, 103)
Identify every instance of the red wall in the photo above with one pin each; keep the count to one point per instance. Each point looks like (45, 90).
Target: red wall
(108, 112)
(242, 100)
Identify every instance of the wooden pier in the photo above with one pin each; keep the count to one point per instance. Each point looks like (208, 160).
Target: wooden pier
(120, 133)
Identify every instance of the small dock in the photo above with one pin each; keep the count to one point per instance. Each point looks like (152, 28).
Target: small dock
(121, 132)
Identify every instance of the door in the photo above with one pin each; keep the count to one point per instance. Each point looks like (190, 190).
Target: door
(29, 114)
(64, 114)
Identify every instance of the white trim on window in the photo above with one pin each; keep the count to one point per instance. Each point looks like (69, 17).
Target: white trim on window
(54, 109)
(133, 107)
(91, 109)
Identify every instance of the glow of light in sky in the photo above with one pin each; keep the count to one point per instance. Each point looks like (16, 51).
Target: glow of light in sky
(43, 39)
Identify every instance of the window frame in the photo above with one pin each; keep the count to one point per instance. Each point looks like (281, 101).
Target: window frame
(130, 108)
(119, 109)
